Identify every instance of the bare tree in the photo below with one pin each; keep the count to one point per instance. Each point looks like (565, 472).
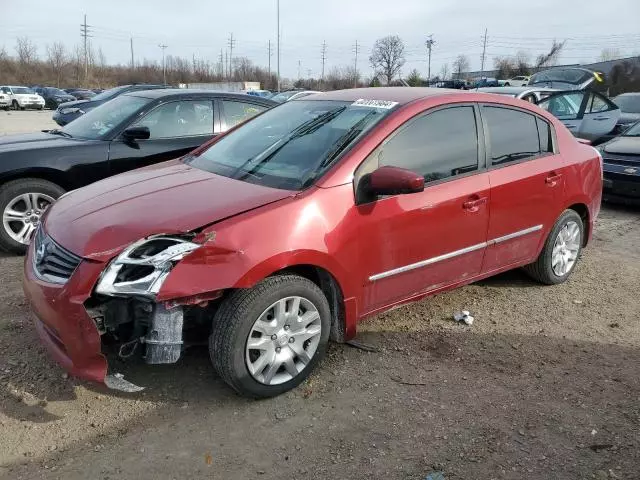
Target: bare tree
(57, 58)
(387, 56)
(608, 54)
(522, 63)
(27, 57)
(444, 71)
(550, 58)
(460, 65)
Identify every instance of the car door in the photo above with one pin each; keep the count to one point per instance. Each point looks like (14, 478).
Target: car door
(176, 128)
(412, 244)
(526, 173)
(600, 118)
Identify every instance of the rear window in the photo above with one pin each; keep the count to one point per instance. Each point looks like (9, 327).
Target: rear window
(513, 135)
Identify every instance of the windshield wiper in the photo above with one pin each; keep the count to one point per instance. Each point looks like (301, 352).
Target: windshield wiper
(60, 132)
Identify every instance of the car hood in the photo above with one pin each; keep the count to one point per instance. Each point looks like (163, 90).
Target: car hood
(77, 104)
(627, 118)
(623, 145)
(100, 220)
(10, 143)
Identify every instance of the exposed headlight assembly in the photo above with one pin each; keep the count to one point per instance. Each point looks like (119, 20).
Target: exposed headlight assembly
(142, 268)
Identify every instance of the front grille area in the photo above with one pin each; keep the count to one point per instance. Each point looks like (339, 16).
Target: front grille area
(51, 262)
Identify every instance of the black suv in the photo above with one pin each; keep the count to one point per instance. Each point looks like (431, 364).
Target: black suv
(69, 111)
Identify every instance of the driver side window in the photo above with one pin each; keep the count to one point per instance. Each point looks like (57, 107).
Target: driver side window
(565, 106)
(179, 119)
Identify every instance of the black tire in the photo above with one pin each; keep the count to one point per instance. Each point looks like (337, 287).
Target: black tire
(233, 323)
(542, 270)
(15, 105)
(507, 84)
(11, 190)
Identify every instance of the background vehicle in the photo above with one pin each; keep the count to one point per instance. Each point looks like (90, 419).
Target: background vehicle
(292, 95)
(484, 82)
(5, 100)
(53, 96)
(375, 186)
(629, 105)
(621, 158)
(519, 81)
(133, 130)
(589, 115)
(69, 111)
(22, 97)
(569, 78)
(260, 93)
(529, 94)
(80, 93)
(454, 83)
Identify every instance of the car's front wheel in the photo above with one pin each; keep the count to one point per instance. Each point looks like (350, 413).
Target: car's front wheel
(22, 203)
(267, 339)
(561, 250)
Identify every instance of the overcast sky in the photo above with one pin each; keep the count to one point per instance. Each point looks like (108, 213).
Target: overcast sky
(202, 28)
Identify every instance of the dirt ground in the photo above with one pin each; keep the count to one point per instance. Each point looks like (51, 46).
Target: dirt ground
(25, 121)
(544, 385)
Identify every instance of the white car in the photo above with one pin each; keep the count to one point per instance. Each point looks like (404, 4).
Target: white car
(521, 81)
(5, 100)
(22, 97)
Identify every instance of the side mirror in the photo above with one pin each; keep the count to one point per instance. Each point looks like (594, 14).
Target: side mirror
(390, 181)
(136, 133)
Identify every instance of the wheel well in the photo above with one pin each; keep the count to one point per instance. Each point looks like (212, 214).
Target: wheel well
(331, 288)
(52, 176)
(582, 210)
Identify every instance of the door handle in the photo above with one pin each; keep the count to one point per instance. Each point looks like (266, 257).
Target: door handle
(474, 203)
(601, 119)
(553, 179)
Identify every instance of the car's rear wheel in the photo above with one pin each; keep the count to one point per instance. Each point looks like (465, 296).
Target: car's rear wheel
(267, 339)
(15, 105)
(22, 203)
(561, 250)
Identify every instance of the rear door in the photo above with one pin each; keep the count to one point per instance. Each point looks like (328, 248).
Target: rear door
(234, 112)
(600, 118)
(526, 174)
(176, 128)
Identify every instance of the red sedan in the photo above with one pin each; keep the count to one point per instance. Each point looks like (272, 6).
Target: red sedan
(294, 226)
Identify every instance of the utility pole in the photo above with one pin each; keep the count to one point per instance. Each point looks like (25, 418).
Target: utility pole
(84, 33)
(221, 63)
(299, 65)
(430, 43)
(269, 54)
(232, 42)
(484, 51)
(164, 68)
(355, 66)
(226, 64)
(324, 58)
(278, 54)
(133, 64)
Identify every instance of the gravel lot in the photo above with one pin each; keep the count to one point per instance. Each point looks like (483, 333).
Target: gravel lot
(544, 385)
(25, 121)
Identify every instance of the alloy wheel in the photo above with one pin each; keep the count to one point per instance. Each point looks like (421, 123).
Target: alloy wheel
(22, 215)
(283, 340)
(565, 249)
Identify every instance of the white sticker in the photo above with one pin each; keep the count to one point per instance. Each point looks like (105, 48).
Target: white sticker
(386, 104)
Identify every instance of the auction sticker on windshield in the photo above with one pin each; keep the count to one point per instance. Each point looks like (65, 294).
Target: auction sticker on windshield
(386, 104)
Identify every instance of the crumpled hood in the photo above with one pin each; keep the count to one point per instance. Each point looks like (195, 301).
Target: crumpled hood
(101, 219)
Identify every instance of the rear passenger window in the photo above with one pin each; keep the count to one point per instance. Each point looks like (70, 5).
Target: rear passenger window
(237, 112)
(513, 135)
(438, 145)
(544, 133)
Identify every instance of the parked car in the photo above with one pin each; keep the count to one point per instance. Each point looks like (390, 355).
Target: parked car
(589, 115)
(519, 81)
(454, 83)
(131, 131)
(529, 94)
(569, 78)
(303, 221)
(629, 105)
(260, 93)
(81, 93)
(621, 157)
(53, 96)
(292, 95)
(67, 112)
(22, 97)
(5, 100)
(97, 90)
(484, 82)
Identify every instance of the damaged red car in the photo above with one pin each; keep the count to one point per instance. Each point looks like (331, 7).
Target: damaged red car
(286, 231)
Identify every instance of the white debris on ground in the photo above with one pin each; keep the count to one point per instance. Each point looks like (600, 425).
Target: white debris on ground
(464, 316)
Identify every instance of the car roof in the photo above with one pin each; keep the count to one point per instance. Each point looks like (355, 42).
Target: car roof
(629, 94)
(186, 92)
(401, 95)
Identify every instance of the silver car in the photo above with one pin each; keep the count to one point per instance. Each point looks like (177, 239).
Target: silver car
(529, 94)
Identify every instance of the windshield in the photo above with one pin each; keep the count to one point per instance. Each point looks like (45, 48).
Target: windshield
(284, 96)
(573, 76)
(107, 94)
(634, 131)
(101, 121)
(22, 91)
(628, 103)
(289, 146)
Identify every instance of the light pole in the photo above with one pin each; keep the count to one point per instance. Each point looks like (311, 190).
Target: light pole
(278, 54)
(164, 70)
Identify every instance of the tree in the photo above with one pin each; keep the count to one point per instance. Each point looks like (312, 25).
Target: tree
(444, 71)
(460, 65)
(608, 54)
(414, 79)
(387, 57)
(57, 58)
(27, 56)
(550, 58)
